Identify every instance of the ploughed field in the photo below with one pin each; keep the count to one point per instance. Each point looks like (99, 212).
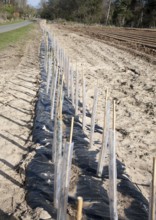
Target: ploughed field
(143, 40)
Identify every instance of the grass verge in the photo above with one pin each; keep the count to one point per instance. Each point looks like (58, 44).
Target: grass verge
(11, 37)
(11, 22)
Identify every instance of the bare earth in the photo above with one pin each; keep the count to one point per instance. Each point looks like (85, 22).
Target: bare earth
(19, 72)
(131, 81)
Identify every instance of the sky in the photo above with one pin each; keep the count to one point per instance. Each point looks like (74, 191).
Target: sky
(34, 3)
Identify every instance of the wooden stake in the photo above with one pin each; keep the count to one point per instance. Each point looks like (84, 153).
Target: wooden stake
(79, 208)
(71, 130)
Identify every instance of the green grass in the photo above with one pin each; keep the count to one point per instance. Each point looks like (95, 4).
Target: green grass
(12, 37)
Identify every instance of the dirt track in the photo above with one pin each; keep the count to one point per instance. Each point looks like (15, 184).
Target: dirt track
(131, 81)
(18, 86)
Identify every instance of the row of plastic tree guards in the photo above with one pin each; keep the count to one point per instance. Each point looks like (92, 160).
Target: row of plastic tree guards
(60, 75)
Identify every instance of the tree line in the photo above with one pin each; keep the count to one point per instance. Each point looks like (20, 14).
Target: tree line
(19, 3)
(12, 9)
(130, 13)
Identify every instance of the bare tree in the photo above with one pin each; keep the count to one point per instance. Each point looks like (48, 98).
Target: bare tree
(21, 3)
(108, 12)
(42, 2)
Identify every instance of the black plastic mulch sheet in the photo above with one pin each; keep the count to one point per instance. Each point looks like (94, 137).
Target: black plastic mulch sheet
(40, 172)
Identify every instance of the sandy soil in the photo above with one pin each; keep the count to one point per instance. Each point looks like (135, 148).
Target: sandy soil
(131, 81)
(19, 72)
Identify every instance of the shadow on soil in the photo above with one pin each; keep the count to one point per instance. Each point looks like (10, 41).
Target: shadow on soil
(40, 172)
(4, 216)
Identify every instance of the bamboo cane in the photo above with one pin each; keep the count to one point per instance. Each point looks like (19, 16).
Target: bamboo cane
(79, 208)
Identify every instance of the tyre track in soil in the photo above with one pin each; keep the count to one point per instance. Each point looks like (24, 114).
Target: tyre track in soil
(19, 72)
(131, 81)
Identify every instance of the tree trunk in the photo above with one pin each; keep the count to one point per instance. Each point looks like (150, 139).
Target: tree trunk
(108, 12)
